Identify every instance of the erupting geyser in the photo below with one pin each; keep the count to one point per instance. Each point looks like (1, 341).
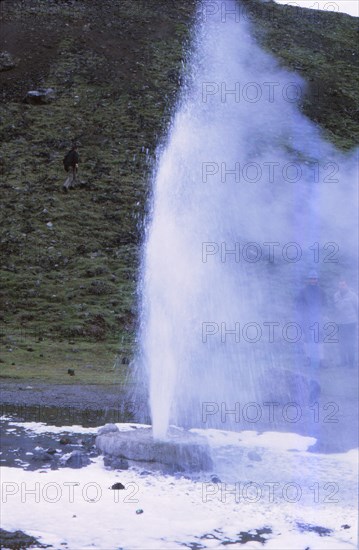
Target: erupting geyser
(243, 192)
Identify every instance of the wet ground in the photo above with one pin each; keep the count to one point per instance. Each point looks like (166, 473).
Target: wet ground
(21, 448)
(147, 509)
(85, 405)
(48, 439)
(331, 416)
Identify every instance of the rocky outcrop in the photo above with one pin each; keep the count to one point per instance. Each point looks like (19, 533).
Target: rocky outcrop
(42, 96)
(182, 451)
(7, 61)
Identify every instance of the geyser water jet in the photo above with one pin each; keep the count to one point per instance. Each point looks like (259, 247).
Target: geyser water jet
(241, 165)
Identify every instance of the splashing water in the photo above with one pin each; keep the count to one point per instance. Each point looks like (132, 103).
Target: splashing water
(242, 168)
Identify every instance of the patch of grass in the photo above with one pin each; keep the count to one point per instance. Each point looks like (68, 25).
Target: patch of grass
(48, 360)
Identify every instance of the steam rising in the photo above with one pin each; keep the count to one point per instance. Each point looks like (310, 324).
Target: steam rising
(287, 185)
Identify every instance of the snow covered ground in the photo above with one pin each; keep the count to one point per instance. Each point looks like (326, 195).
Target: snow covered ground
(266, 490)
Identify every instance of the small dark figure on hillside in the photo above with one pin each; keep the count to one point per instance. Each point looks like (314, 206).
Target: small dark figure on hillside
(312, 305)
(346, 311)
(71, 164)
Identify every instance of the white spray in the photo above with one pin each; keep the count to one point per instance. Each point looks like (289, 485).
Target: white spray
(243, 170)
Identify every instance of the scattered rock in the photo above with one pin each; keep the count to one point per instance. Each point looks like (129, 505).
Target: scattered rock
(76, 459)
(42, 96)
(40, 455)
(51, 451)
(115, 463)
(108, 428)
(7, 61)
(118, 487)
(309, 528)
(18, 539)
(255, 535)
(215, 479)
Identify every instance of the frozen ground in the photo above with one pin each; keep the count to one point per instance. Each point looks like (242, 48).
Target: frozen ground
(266, 491)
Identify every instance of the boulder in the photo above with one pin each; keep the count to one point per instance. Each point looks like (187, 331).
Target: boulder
(181, 451)
(118, 487)
(76, 459)
(7, 61)
(42, 456)
(108, 428)
(42, 96)
(115, 463)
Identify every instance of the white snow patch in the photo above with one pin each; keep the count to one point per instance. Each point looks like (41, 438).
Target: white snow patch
(78, 507)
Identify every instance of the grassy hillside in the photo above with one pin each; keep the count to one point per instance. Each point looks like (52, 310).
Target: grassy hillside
(68, 289)
(70, 261)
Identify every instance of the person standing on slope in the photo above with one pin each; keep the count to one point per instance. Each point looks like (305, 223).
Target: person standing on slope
(71, 164)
